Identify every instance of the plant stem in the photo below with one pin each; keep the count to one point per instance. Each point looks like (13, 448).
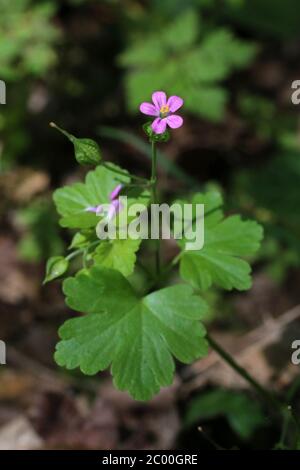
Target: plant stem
(124, 173)
(74, 254)
(284, 431)
(265, 394)
(154, 200)
(84, 258)
(81, 250)
(288, 418)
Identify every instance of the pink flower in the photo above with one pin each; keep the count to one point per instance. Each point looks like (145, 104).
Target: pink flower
(163, 110)
(114, 207)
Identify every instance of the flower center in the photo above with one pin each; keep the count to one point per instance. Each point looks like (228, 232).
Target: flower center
(164, 111)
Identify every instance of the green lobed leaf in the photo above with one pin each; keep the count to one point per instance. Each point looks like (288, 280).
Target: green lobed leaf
(79, 240)
(147, 53)
(117, 254)
(135, 336)
(219, 54)
(182, 32)
(27, 38)
(152, 50)
(153, 64)
(207, 100)
(226, 240)
(71, 201)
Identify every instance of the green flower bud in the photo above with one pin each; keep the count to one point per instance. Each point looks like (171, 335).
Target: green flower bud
(56, 267)
(153, 137)
(87, 151)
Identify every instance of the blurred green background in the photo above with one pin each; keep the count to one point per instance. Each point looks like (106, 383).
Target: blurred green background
(87, 65)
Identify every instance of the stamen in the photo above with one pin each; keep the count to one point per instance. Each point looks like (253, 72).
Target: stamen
(164, 109)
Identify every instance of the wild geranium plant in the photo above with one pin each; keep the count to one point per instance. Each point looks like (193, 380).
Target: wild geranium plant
(140, 335)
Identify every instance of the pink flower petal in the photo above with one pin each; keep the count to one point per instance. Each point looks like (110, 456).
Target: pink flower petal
(174, 103)
(159, 125)
(149, 109)
(114, 208)
(94, 209)
(99, 209)
(174, 121)
(159, 99)
(115, 193)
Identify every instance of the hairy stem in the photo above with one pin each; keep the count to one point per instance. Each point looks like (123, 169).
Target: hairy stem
(82, 250)
(154, 200)
(265, 394)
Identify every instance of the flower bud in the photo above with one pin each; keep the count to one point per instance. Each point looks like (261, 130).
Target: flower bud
(56, 267)
(87, 151)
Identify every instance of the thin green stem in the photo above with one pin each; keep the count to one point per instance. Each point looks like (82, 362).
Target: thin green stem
(284, 430)
(74, 254)
(296, 424)
(288, 418)
(82, 250)
(65, 133)
(154, 200)
(209, 439)
(107, 165)
(265, 394)
(169, 267)
(84, 258)
(163, 273)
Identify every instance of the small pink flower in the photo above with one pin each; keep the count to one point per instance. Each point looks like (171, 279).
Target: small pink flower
(163, 110)
(114, 207)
